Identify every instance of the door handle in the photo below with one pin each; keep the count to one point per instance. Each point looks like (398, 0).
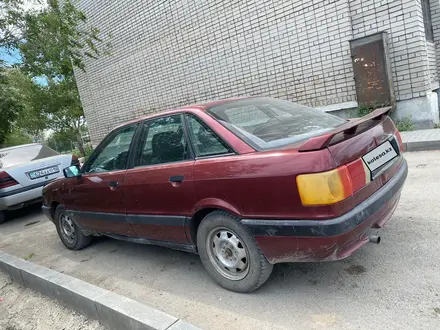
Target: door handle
(113, 184)
(176, 178)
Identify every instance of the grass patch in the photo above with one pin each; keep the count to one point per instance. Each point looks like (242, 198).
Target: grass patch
(30, 255)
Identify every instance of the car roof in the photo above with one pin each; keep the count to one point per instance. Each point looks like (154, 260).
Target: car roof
(199, 106)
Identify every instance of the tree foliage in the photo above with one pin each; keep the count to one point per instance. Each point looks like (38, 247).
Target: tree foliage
(52, 40)
(17, 137)
(11, 104)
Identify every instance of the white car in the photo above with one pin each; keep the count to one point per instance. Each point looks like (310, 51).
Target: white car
(25, 170)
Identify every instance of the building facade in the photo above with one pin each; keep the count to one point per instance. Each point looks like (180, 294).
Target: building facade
(168, 53)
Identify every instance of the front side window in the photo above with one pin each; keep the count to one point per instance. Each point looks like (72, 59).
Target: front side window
(114, 155)
(204, 140)
(267, 123)
(163, 142)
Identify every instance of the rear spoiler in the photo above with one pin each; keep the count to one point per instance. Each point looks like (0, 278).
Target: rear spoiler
(348, 129)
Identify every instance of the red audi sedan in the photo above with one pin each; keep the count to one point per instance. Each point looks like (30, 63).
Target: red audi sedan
(244, 183)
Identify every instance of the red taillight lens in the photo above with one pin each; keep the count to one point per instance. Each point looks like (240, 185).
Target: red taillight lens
(399, 139)
(6, 180)
(359, 174)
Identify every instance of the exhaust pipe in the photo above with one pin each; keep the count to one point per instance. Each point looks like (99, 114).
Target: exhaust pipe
(374, 239)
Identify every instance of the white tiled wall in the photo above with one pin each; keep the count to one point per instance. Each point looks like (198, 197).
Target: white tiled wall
(170, 53)
(409, 50)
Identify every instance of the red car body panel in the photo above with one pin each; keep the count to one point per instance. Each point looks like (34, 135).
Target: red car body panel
(148, 191)
(92, 193)
(259, 187)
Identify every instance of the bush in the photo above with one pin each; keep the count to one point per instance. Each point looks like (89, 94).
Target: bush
(364, 109)
(87, 150)
(405, 124)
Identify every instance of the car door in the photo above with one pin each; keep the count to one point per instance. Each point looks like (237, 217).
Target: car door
(158, 190)
(95, 199)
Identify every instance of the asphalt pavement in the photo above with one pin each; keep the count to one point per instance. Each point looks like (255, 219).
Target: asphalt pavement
(393, 285)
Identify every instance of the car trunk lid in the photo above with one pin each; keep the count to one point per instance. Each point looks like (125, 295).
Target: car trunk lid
(38, 171)
(369, 146)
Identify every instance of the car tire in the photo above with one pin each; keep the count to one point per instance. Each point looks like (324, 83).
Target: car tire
(230, 254)
(68, 231)
(2, 217)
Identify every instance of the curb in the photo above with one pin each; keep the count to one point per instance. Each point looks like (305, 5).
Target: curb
(112, 310)
(421, 145)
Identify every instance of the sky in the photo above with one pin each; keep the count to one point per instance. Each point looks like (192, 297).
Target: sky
(10, 58)
(14, 56)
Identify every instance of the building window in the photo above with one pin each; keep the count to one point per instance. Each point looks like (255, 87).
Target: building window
(427, 20)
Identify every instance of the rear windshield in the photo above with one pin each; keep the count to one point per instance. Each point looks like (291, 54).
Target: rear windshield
(267, 123)
(24, 154)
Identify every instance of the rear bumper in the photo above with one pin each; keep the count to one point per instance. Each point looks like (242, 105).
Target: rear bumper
(332, 239)
(21, 199)
(17, 198)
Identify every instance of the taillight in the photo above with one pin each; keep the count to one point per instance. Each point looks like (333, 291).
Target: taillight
(326, 187)
(399, 139)
(6, 180)
(359, 174)
(333, 186)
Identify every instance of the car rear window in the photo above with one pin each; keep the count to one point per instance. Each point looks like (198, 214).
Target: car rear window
(268, 123)
(24, 154)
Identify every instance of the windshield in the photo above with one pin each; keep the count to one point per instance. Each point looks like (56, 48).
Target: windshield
(267, 123)
(24, 154)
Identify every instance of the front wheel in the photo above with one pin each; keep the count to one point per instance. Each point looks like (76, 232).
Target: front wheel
(68, 231)
(230, 254)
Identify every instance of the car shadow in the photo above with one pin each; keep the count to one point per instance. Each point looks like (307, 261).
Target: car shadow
(305, 277)
(24, 214)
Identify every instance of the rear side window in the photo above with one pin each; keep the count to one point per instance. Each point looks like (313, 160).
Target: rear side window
(24, 154)
(204, 140)
(163, 142)
(267, 123)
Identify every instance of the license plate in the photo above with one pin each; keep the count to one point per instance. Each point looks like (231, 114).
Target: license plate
(379, 156)
(44, 172)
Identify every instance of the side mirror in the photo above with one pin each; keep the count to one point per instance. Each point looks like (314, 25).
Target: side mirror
(72, 172)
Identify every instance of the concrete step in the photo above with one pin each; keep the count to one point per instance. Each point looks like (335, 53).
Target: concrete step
(420, 140)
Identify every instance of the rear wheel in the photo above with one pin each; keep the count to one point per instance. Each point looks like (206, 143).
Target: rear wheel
(2, 217)
(68, 231)
(230, 254)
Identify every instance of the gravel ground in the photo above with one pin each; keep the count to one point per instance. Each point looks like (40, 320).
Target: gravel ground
(24, 309)
(393, 285)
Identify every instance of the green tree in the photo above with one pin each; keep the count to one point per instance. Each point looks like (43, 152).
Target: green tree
(31, 119)
(52, 41)
(62, 141)
(17, 137)
(11, 104)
